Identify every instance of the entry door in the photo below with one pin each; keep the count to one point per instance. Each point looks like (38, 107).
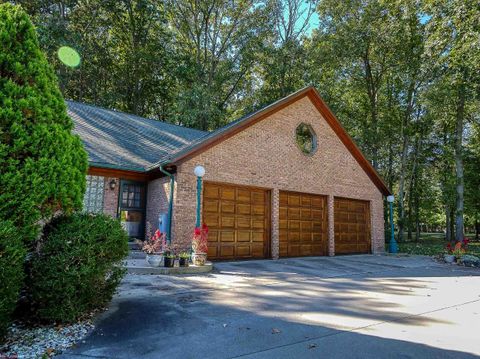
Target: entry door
(238, 218)
(132, 208)
(352, 226)
(303, 224)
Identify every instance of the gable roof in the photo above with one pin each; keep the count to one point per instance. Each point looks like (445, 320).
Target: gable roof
(123, 141)
(211, 139)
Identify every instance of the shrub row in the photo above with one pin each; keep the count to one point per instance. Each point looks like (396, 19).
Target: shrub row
(12, 254)
(75, 269)
(78, 266)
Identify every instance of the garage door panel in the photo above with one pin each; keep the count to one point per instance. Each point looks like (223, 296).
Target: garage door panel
(211, 220)
(257, 237)
(303, 221)
(244, 222)
(257, 250)
(243, 236)
(319, 237)
(211, 206)
(258, 224)
(318, 202)
(293, 236)
(227, 222)
(305, 214)
(306, 236)
(293, 200)
(238, 219)
(306, 249)
(306, 201)
(227, 236)
(211, 192)
(352, 227)
(243, 195)
(227, 251)
(243, 209)
(293, 250)
(228, 194)
(294, 225)
(227, 207)
(212, 251)
(294, 213)
(258, 197)
(212, 236)
(306, 226)
(258, 210)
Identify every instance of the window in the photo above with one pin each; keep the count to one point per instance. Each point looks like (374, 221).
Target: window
(132, 208)
(132, 195)
(306, 138)
(93, 198)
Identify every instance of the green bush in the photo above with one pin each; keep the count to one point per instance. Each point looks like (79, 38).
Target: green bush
(42, 164)
(78, 266)
(12, 254)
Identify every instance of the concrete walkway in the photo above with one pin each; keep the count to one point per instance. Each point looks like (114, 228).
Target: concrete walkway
(339, 307)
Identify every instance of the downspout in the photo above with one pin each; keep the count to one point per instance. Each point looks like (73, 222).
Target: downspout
(170, 202)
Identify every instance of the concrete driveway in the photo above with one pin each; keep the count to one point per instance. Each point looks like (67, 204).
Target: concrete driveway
(340, 307)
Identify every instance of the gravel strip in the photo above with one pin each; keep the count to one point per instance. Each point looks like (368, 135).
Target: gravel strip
(30, 343)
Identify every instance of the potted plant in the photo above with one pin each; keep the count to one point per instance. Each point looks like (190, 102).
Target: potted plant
(168, 259)
(153, 247)
(200, 245)
(184, 258)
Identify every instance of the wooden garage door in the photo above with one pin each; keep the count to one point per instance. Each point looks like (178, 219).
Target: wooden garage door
(238, 219)
(303, 224)
(352, 226)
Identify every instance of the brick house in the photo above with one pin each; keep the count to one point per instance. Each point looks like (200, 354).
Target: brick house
(284, 181)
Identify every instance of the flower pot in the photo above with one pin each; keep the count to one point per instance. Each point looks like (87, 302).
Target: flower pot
(449, 258)
(199, 259)
(168, 262)
(155, 260)
(183, 262)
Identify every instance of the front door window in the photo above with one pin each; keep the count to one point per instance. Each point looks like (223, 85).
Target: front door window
(132, 208)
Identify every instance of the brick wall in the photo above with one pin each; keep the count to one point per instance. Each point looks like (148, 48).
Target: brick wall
(158, 193)
(110, 197)
(266, 155)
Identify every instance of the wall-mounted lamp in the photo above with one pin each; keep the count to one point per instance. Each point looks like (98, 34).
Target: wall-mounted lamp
(112, 184)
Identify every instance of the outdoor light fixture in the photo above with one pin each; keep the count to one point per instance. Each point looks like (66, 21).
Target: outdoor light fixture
(112, 184)
(199, 171)
(393, 243)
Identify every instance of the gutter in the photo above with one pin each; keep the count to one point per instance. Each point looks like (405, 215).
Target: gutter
(170, 202)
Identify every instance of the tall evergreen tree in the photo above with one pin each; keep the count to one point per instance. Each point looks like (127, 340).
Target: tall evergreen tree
(42, 164)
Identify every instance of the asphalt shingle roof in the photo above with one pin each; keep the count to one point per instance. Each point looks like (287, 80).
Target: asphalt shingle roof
(124, 141)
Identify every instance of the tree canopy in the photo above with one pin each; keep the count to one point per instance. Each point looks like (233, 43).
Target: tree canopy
(402, 76)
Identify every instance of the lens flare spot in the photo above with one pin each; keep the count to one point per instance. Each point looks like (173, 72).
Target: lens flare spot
(69, 56)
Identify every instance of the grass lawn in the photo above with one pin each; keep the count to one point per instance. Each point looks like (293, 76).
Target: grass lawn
(432, 244)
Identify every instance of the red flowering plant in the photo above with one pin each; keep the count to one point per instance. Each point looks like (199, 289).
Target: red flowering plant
(200, 239)
(459, 249)
(157, 243)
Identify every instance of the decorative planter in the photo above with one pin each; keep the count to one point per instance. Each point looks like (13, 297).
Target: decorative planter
(168, 262)
(199, 259)
(449, 258)
(155, 260)
(183, 262)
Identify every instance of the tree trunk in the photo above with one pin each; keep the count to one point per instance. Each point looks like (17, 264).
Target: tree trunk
(477, 230)
(448, 228)
(459, 163)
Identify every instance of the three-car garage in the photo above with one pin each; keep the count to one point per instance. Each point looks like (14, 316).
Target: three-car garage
(239, 221)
